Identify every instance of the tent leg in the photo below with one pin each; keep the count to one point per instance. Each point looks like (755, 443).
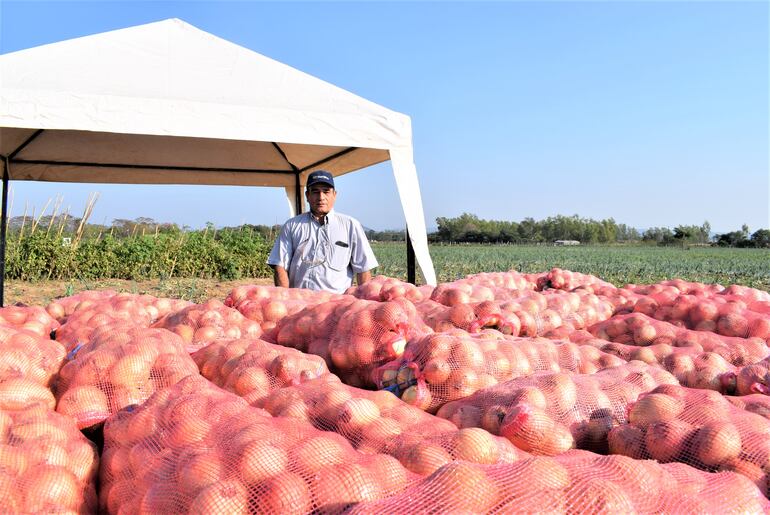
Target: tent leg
(3, 225)
(411, 275)
(298, 195)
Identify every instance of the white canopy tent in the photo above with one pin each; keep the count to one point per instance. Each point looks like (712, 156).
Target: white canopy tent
(166, 103)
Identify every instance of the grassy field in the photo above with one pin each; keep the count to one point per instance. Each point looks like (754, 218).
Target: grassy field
(619, 265)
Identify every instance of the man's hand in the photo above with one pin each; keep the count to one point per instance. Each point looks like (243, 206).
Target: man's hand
(363, 277)
(280, 276)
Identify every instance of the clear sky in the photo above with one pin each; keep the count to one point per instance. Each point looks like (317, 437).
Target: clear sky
(653, 113)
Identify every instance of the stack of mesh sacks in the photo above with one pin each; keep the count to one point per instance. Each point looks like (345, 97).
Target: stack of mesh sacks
(384, 288)
(574, 482)
(697, 358)
(48, 466)
(354, 336)
(255, 369)
(194, 448)
(200, 324)
(698, 427)
(120, 367)
(267, 305)
(443, 367)
(551, 412)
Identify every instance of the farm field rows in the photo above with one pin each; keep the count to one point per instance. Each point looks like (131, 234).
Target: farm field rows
(619, 265)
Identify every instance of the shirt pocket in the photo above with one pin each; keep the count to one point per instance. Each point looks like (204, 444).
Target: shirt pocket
(340, 259)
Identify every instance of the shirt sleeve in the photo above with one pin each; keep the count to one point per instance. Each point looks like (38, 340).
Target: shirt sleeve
(362, 257)
(282, 249)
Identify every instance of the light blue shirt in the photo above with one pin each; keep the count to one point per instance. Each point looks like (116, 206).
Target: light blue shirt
(322, 256)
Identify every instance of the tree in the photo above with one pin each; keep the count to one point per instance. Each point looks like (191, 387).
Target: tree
(761, 238)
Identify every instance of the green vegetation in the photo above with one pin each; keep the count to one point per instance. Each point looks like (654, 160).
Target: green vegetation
(618, 264)
(225, 254)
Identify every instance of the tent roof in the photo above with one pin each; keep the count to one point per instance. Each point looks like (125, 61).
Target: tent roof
(169, 96)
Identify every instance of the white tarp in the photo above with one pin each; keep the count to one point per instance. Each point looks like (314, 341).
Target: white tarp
(166, 103)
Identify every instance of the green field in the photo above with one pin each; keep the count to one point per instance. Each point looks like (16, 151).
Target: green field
(619, 265)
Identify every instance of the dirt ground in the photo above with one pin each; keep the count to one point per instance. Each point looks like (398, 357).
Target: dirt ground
(40, 293)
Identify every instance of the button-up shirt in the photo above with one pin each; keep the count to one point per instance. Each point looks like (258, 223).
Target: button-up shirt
(322, 256)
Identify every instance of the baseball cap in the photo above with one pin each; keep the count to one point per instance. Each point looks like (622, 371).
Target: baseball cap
(320, 176)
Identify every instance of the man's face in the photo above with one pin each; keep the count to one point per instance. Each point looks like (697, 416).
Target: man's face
(321, 198)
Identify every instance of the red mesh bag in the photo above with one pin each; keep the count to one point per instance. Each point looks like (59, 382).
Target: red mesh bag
(253, 369)
(24, 354)
(677, 287)
(16, 393)
(746, 293)
(565, 280)
(698, 427)
(690, 366)
(484, 286)
(754, 378)
(247, 292)
(121, 309)
(639, 329)
(61, 308)
(575, 482)
(755, 403)
(266, 305)
(159, 307)
(384, 288)
(379, 423)
(471, 317)
(354, 336)
(48, 466)
(551, 412)
(194, 448)
(443, 367)
(121, 367)
(30, 318)
(200, 324)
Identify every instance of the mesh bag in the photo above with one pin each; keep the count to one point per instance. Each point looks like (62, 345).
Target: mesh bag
(575, 482)
(443, 367)
(48, 466)
(565, 280)
(266, 305)
(116, 310)
(690, 366)
(641, 330)
(698, 427)
(24, 354)
(755, 403)
(121, 367)
(471, 317)
(16, 393)
(384, 288)
(253, 369)
(746, 293)
(754, 378)
(159, 307)
(353, 336)
(200, 324)
(30, 318)
(194, 448)
(379, 423)
(676, 287)
(61, 308)
(484, 286)
(244, 293)
(550, 412)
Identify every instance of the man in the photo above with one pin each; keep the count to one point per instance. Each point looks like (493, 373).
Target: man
(322, 249)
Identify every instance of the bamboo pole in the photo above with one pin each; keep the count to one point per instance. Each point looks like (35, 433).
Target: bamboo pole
(23, 221)
(56, 207)
(36, 221)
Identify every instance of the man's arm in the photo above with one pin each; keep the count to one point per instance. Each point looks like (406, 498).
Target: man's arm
(281, 276)
(363, 277)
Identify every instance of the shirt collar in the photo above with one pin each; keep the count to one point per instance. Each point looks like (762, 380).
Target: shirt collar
(329, 217)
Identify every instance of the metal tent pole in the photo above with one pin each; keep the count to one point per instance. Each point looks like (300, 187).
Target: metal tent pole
(3, 225)
(411, 275)
(298, 195)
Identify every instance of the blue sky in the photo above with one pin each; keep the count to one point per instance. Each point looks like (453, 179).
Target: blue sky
(652, 113)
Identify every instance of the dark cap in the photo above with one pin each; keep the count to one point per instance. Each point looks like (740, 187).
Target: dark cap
(320, 176)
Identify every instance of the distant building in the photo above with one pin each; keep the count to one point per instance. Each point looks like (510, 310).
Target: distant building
(566, 242)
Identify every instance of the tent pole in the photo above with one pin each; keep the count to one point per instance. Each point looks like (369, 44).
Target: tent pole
(3, 223)
(298, 195)
(410, 261)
